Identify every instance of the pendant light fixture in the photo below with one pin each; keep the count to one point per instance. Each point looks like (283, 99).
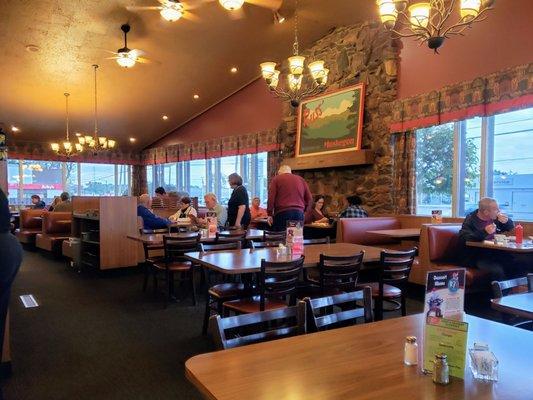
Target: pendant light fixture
(296, 88)
(66, 148)
(97, 143)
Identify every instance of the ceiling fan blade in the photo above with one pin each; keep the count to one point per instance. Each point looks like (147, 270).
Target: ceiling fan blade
(111, 58)
(143, 8)
(192, 5)
(143, 60)
(189, 16)
(270, 4)
(137, 52)
(112, 52)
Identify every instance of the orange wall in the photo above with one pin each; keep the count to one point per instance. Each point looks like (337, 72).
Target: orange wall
(504, 40)
(252, 109)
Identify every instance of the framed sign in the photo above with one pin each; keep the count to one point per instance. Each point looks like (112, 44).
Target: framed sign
(331, 123)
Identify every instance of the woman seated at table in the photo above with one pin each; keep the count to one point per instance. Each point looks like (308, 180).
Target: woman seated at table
(186, 212)
(316, 214)
(256, 211)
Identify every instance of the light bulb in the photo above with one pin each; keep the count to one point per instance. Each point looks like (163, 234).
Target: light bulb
(172, 12)
(296, 65)
(387, 13)
(419, 14)
(470, 8)
(231, 5)
(126, 59)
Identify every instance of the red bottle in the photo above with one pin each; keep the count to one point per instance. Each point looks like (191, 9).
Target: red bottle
(519, 234)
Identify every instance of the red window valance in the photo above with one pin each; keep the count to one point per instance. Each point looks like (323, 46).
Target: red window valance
(503, 91)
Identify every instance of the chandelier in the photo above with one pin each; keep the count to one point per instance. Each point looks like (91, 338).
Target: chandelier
(295, 90)
(66, 148)
(96, 143)
(428, 21)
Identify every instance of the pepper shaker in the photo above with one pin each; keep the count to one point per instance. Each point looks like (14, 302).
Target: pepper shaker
(441, 371)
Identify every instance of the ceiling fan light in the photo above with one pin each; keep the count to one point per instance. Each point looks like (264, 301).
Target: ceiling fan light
(470, 8)
(296, 65)
(126, 60)
(419, 14)
(172, 12)
(231, 5)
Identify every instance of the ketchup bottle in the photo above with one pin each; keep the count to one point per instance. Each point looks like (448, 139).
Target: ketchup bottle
(519, 234)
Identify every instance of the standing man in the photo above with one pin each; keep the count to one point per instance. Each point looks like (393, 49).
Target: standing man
(481, 225)
(288, 198)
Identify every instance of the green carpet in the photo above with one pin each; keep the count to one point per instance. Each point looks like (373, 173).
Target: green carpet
(100, 337)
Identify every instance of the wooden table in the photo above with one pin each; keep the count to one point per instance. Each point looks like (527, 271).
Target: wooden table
(157, 238)
(404, 233)
(526, 247)
(359, 362)
(249, 260)
(515, 304)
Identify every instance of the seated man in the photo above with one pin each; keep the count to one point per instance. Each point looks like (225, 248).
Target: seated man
(65, 204)
(354, 209)
(37, 203)
(481, 225)
(219, 211)
(150, 220)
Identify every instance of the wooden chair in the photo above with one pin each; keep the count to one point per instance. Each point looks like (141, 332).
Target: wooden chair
(221, 292)
(336, 274)
(258, 327)
(322, 315)
(276, 282)
(325, 240)
(393, 275)
(512, 286)
(231, 236)
(270, 239)
(175, 263)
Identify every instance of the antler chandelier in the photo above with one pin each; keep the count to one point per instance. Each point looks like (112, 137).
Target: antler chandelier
(429, 21)
(295, 90)
(66, 148)
(97, 143)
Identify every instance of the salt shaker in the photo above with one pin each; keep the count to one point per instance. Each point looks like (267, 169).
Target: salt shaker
(410, 354)
(441, 371)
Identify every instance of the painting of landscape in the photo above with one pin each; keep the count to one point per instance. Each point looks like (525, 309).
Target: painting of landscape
(331, 123)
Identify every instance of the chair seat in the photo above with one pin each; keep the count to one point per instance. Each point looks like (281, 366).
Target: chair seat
(246, 306)
(228, 290)
(389, 291)
(180, 266)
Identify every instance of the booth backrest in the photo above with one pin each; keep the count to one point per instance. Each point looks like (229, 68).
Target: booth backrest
(444, 243)
(30, 219)
(354, 230)
(57, 222)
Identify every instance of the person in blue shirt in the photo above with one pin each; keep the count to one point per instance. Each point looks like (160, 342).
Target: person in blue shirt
(150, 220)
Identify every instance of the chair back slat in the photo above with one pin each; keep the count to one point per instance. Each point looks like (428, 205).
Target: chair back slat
(274, 236)
(230, 236)
(503, 288)
(322, 315)
(176, 247)
(220, 246)
(325, 240)
(257, 327)
(395, 266)
(279, 279)
(340, 272)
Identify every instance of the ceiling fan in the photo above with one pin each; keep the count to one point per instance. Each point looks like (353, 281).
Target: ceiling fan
(125, 56)
(170, 10)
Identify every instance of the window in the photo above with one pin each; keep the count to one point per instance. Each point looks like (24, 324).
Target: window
(199, 177)
(49, 179)
(458, 163)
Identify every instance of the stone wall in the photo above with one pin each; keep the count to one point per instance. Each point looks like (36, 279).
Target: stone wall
(359, 53)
